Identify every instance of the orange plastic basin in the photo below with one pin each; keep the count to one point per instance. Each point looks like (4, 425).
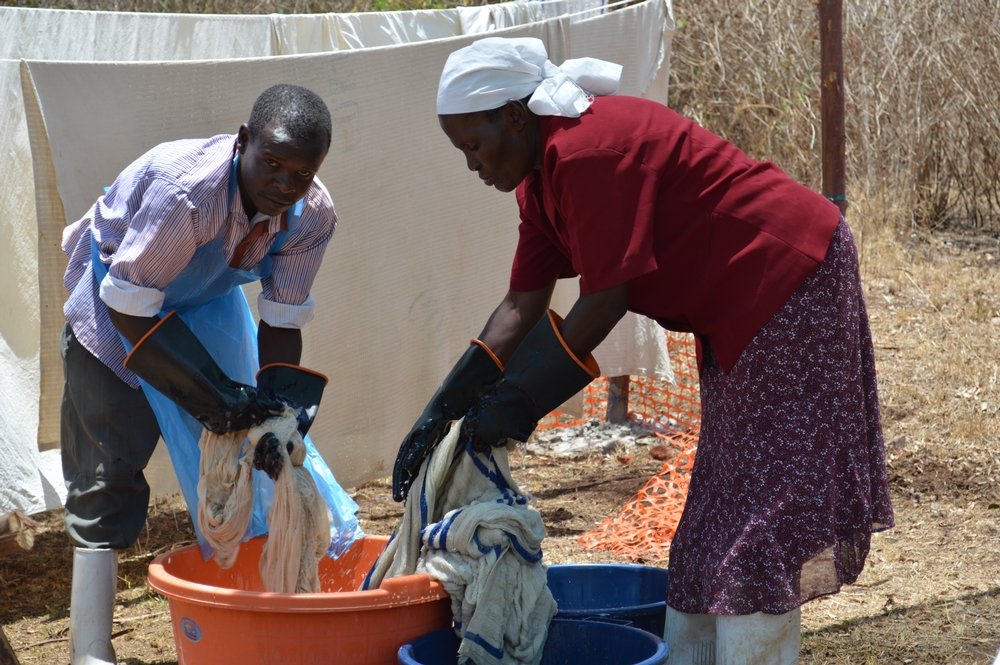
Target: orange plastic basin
(224, 616)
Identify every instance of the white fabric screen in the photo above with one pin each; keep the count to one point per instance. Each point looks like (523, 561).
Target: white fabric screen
(409, 276)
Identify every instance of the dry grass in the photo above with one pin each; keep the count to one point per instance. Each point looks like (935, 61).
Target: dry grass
(923, 126)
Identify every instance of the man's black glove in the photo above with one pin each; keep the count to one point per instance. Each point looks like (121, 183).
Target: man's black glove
(299, 388)
(475, 371)
(172, 359)
(542, 374)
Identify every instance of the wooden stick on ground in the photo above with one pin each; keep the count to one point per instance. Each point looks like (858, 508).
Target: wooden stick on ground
(17, 532)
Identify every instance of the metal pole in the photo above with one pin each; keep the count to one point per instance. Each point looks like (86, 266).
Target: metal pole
(831, 46)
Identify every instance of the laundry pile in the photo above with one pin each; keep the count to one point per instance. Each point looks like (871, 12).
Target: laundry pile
(468, 525)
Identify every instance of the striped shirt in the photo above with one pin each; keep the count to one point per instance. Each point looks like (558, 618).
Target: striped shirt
(163, 207)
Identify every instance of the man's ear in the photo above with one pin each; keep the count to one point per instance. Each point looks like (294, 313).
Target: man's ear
(242, 139)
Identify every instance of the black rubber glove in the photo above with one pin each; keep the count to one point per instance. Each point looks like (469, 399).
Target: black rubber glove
(299, 388)
(541, 375)
(174, 361)
(475, 371)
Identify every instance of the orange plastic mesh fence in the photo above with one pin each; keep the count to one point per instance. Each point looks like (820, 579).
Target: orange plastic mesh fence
(645, 526)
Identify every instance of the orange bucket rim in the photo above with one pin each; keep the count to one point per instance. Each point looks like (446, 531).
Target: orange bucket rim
(393, 592)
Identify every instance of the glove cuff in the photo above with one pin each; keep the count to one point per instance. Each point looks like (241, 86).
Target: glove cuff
(485, 347)
(588, 364)
(295, 370)
(149, 333)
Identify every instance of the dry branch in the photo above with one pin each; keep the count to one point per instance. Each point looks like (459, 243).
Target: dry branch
(17, 532)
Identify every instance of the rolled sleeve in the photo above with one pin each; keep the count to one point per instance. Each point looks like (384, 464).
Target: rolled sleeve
(128, 298)
(283, 315)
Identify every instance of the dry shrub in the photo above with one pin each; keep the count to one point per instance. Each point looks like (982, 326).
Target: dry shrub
(923, 125)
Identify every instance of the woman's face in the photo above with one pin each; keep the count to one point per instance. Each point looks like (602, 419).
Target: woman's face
(501, 146)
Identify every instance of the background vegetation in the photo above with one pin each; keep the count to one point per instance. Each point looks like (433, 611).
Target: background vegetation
(923, 126)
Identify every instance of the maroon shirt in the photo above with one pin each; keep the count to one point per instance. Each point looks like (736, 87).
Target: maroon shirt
(708, 240)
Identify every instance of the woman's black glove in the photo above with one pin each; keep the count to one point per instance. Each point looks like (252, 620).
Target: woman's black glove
(542, 374)
(475, 371)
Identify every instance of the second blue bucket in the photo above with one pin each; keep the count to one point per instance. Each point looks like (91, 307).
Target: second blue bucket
(621, 593)
(569, 642)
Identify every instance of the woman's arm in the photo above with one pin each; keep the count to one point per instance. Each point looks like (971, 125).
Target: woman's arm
(510, 322)
(592, 318)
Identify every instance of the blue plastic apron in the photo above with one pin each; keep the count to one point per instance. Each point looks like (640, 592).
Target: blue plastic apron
(208, 298)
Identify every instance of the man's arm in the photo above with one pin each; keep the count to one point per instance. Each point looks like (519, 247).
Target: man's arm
(133, 328)
(168, 356)
(278, 345)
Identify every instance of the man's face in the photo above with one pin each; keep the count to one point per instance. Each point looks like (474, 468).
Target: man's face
(276, 170)
(500, 146)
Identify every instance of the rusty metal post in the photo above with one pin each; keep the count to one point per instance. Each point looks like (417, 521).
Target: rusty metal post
(617, 399)
(831, 46)
(7, 656)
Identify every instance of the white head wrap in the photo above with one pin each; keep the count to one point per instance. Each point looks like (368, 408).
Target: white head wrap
(491, 72)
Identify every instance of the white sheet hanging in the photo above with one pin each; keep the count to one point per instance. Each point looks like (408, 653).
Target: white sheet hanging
(410, 276)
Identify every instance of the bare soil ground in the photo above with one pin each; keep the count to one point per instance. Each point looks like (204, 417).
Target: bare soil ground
(930, 592)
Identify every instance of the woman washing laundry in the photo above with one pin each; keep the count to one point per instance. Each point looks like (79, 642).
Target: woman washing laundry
(658, 216)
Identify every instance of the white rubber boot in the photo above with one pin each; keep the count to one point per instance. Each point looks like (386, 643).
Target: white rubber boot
(690, 638)
(759, 639)
(95, 580)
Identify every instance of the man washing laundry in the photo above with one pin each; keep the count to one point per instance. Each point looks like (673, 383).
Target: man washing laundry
(158, 337)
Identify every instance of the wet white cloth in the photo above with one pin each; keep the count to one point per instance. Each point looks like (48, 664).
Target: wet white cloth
(493, 71)
(298, 522)
(470, 527)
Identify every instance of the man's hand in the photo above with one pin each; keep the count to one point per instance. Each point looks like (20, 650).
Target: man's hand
(171, 358)
(267, 455)
(294, 386)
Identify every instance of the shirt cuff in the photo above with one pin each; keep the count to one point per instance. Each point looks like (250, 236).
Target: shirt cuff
(130, 299)
(283, 315)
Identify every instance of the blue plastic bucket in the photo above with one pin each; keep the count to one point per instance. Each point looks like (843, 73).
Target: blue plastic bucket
(570, 642)
(630, 594)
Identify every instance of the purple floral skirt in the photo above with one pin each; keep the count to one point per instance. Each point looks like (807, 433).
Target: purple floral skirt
(789, 481)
